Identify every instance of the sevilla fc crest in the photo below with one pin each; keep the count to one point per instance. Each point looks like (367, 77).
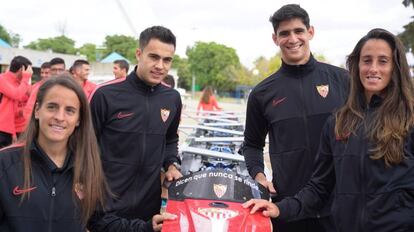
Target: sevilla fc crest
(220, 190)
(323, 90)
(165, 114)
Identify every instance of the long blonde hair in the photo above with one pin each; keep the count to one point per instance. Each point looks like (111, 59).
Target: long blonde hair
(395, 117)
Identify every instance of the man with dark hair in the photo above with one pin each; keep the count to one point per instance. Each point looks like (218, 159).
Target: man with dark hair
(14, 91)
(292, 105)
(169, 81)
(80, 72)
(44, 74)
(136, 121)
(57, 66)
(120, 68)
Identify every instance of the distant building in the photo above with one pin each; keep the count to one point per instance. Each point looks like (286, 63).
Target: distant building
(4, 44)
(114, 56)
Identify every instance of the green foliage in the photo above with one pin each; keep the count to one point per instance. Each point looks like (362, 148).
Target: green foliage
(211, 63)
(122, 44)
(10, 37)
(4, 35)
(59, 44)
(183, 71)
(265, 67)
(407, 36)
(89, 50)
(15, 40)
(243, 76)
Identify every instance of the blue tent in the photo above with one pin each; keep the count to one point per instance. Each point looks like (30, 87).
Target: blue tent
(112, 57)
(4, 44)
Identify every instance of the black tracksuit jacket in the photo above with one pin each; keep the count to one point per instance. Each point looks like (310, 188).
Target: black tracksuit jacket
(368, 195)
(292, 105)
(51, 206)
(136, 127)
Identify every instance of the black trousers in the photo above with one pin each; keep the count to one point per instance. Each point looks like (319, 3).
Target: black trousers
(304, 225)
(5, 139)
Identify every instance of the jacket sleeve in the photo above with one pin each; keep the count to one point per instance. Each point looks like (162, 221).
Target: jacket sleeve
(254, 136)
(108, 222)
(317, 191)
(20, 93)
(171, 147)
(99, 107)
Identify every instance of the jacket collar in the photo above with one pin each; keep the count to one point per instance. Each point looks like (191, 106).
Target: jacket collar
(375, 101)
(301, 68)
(38, 154)
(140, 84)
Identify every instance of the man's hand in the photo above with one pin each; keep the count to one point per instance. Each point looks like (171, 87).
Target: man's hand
(261, 178)
(172, 173)
(269, 209)
(158, 219)
(29, 69)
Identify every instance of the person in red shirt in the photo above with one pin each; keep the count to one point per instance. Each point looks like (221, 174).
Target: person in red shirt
(208, 101)
(80, 71)
(28, 108)
(14, 88)
(57, 66)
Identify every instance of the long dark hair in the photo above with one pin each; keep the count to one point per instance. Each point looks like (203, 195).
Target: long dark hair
(88, 177)
(394, 118)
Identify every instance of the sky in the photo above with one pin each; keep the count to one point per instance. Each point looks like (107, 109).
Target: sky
(240, 24)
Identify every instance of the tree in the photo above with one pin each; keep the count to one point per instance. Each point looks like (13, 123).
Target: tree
(15, 40)
(183, 71)
(59, 44)
(4, 35)
(89, 50)
(211, 62)
(407, 36)
(122, 44)
(265, 67)
(11, 38)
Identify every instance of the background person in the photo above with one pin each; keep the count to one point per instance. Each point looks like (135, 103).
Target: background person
(57, 66)
(80, 71)
(14, 90)
(28, 108)
(120, 68)
(208, 101)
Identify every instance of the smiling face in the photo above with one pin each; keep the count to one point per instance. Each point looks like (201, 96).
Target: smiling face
(375, 67)
(58, 116)
(118, 71)
(154, 61)
(293, 37)
(82, 72)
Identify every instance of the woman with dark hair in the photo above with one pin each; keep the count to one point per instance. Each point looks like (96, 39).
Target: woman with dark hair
(208, 101)
(366, 153)
(52, 179)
